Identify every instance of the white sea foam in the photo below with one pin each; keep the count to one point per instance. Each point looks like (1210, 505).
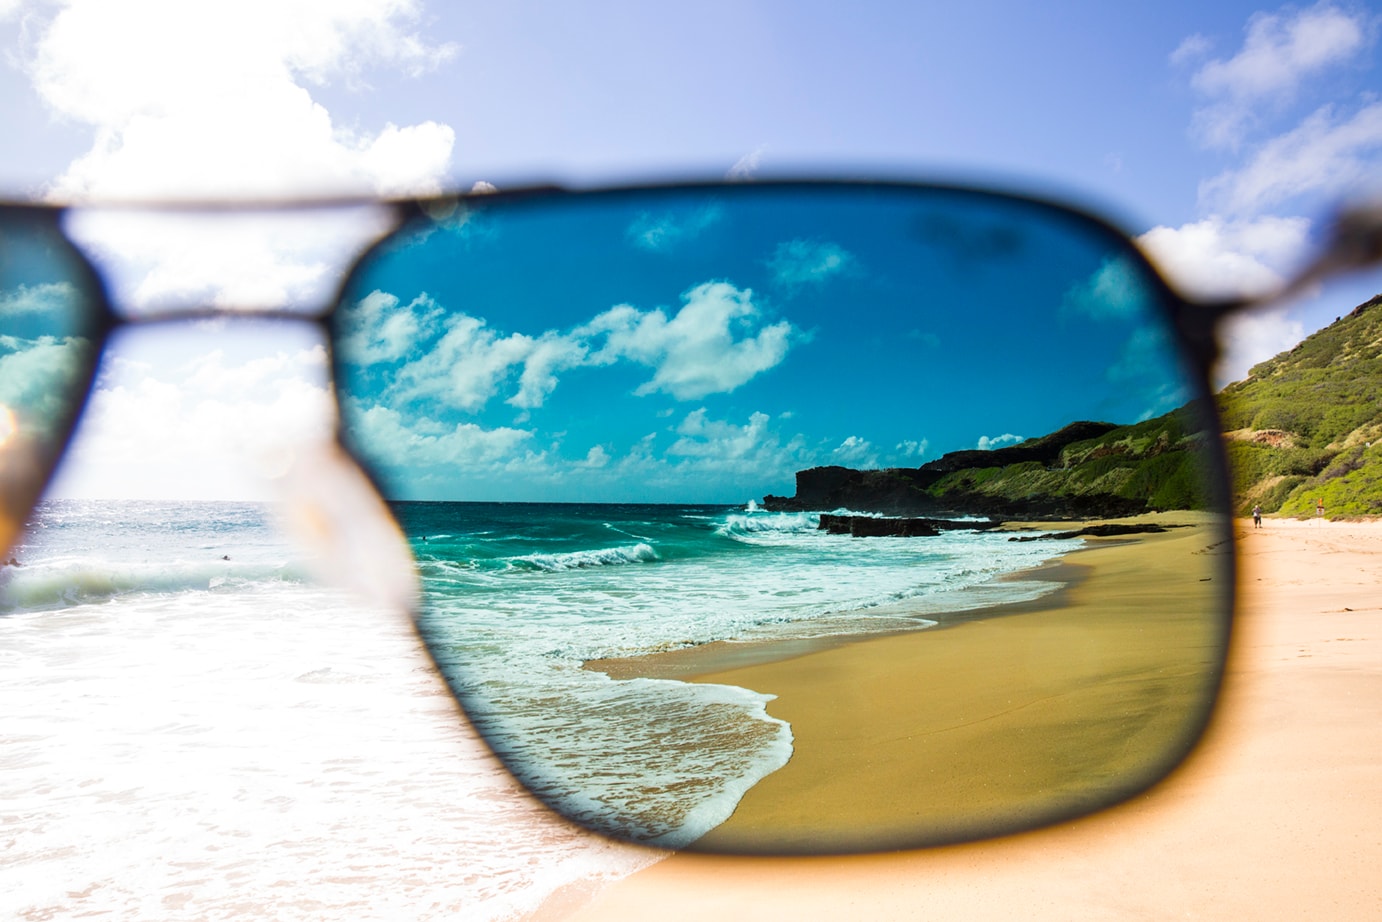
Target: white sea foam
(599, 557)
(269, 752)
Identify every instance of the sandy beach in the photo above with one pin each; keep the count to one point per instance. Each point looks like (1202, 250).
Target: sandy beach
(1276, 815)
(1031, 710)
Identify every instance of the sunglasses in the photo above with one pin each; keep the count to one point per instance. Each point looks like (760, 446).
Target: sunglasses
(761, 518)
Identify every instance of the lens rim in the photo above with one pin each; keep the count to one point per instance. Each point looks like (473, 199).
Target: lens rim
(1192, 327)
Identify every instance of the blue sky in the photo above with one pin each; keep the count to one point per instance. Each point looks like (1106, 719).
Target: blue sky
(1220, 134)
(703, 346)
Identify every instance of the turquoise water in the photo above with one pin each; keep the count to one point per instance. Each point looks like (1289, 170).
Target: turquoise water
(520, 596)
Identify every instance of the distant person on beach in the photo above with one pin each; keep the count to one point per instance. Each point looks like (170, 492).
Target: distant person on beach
(1257, 516)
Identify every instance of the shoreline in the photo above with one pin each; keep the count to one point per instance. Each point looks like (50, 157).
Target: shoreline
(990, 684)
(1274, 814)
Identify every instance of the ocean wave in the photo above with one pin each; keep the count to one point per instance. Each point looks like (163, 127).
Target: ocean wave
(579, 560)
(773, 523)
(58, 585)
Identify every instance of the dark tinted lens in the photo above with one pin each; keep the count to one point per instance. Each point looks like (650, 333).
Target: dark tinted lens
(49, 320)
(741, 512)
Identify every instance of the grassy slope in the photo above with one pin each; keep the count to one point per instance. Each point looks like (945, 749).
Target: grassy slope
(1304, 426)
(1307, 424)
(1146, 462)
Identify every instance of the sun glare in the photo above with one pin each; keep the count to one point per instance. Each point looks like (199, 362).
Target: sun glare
(8, 425)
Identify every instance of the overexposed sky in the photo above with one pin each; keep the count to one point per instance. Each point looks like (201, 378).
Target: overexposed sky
(1222, 134)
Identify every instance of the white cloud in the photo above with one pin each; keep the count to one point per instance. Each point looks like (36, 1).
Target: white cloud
(913, 448)
(1324, 155)
(1253, 337)
(1218, 258)
(1116, 289)
(397, 442)
(198, 99)
(45, 298)
(1192, 47)
(466, 366)
(376, 329)
(987, 443)
(855, 452)
(550, 354)
(746, 166)
(803, 262)
(665, 231)
(1279, 52)
(213, 426)
(702, 437)
(695, 353)
(1222, 258)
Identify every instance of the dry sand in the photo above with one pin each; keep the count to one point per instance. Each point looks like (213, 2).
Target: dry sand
(1277, 815)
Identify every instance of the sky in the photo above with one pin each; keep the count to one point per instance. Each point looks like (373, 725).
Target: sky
(1221, 136)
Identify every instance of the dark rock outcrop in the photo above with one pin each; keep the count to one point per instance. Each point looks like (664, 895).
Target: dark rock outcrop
(1108, 530)
(872, 526)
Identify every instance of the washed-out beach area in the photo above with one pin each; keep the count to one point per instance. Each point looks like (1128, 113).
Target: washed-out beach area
(1035, 707)
(1276, 814)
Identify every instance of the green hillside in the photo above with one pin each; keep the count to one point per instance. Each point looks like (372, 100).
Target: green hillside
(1307, 424)
(1126, 470)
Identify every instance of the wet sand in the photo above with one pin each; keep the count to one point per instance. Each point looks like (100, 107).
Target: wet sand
(1032, 710)
(1275, 815)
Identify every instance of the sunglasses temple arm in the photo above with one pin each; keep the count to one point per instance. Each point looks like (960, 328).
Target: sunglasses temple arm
(1355, 243)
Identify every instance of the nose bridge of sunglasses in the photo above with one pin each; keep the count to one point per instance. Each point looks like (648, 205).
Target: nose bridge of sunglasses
(171, 261)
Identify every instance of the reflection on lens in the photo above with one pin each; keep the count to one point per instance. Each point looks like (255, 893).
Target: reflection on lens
(8, 426)
(48, 316)
(797, 519)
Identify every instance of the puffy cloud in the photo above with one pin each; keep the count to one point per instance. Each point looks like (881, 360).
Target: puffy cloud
(803, 262)
(855, 452)
(465, 367)
(1324, 155)
(709, 346)
(398, 442)
(550, 354)
(702, 437)
(1279, 52)
(913, 448)
(376, 329)
(987, 443)
(202, 99)
(1221, 258)
(695, 353)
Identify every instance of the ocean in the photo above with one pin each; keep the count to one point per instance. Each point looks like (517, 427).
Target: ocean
(193, 727)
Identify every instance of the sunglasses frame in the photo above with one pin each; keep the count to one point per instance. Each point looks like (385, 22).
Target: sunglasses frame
(1195, 323)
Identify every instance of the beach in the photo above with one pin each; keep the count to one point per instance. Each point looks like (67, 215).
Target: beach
(1033, 709)
(1276, 814)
